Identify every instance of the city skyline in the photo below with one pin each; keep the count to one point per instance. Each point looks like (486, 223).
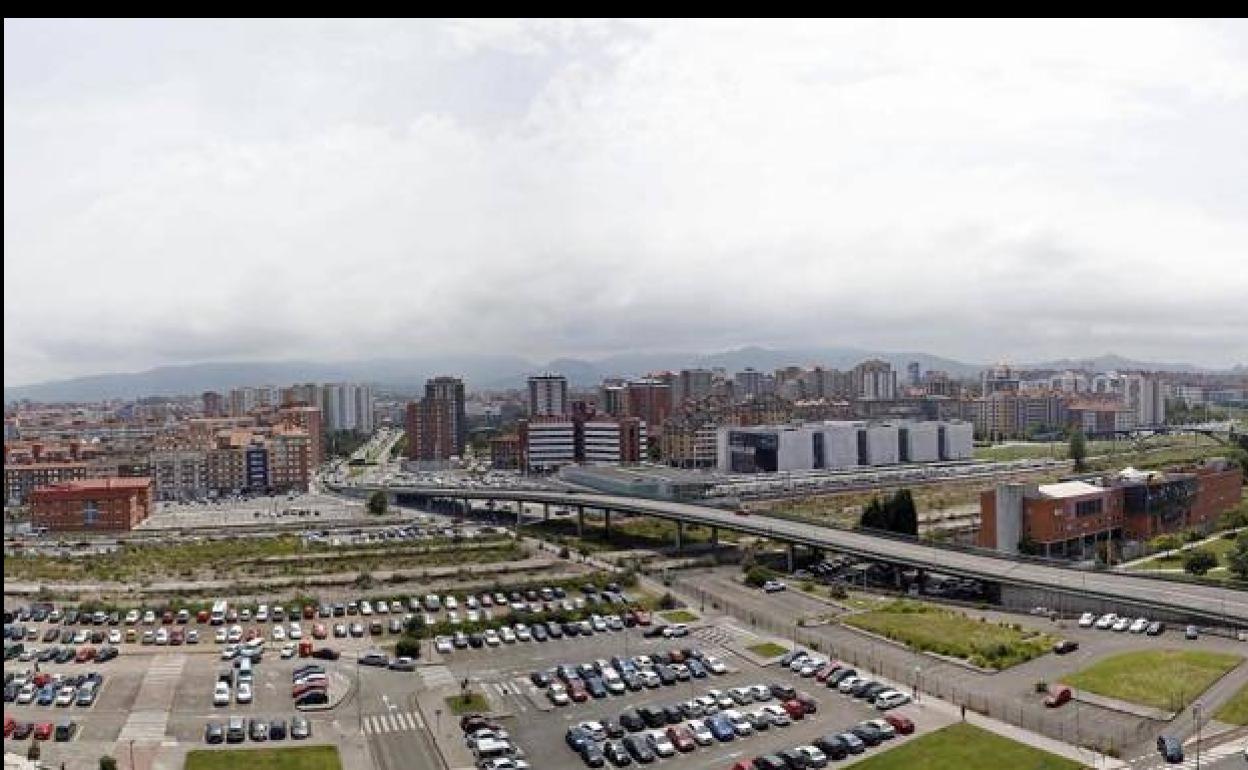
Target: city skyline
(221, 191)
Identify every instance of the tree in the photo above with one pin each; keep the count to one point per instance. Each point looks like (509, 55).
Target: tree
(756, 576)
(407, 647)
(1168, 542)
(1199, 561)
(1237, 559)
(874, 516)
(377, 503)
(1078, 451)
(904, 517)
(108, 763)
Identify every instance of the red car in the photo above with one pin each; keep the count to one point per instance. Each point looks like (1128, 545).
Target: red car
(743, 764)
(9, 725)
(84, 654)
(201, 616)
(675, 656)
(900, 724)
(822, 674)
(577, 691)
(319, 631)
(1058, 696)
(167, 617)
(642, 617)
(681, 738)
(309, 612)
(177, 636)
(254, 633)
(795, 708)
(43, 731)
(809, 704)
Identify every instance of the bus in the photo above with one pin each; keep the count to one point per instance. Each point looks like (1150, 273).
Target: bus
(219, 608)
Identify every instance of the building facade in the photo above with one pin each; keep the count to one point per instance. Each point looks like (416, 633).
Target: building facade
(548, 396)
(839, 445)
(115, 504)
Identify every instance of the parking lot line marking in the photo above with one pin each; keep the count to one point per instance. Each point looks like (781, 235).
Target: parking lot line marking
(415, 717)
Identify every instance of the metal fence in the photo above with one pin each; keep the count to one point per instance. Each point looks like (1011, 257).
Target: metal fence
(1068, 726)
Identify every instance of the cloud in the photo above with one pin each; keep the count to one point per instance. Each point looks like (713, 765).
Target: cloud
(180, 191)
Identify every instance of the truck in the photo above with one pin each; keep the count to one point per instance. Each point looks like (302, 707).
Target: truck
(219, 608)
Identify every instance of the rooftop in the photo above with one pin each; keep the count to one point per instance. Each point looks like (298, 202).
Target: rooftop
(1070, 489)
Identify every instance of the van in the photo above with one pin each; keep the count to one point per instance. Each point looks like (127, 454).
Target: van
(490, 748)
(432, 603)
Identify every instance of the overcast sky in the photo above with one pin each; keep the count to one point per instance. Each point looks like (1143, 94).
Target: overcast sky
(191, 191)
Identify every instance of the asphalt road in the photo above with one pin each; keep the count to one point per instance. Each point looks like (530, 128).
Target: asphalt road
(1209, 601)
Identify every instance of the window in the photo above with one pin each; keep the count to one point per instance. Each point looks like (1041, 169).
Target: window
(90, 512)
(1089, 507)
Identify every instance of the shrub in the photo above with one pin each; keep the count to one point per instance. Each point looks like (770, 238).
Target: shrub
(108, 763)
(408, 646)
(1199, 561)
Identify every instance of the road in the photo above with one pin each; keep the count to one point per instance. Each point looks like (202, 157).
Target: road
(1217, 604)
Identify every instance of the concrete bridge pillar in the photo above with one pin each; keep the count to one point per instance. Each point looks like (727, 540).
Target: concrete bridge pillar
(714, 539)
(546, 512)
(792, 556)
(580, 521)
(680, 536)
(606, 523)
(519, 515)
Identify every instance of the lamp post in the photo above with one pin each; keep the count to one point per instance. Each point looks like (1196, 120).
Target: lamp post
(131, 754)
(1196, 709)
(918, 682)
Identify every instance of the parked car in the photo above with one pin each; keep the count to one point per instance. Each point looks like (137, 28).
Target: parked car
(1170, 748)
(1065, 646)
(1058, 696)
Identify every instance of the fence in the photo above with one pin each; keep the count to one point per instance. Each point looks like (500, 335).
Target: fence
(899, 665)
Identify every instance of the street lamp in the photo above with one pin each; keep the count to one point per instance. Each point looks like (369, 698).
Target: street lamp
(1196, 709)
(918, 682)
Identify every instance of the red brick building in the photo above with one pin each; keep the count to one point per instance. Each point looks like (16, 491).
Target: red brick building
(1072, 518)
(92, 504)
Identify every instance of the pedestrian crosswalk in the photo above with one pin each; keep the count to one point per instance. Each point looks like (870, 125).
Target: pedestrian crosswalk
(1208, 756)
(156, 694)
(391, 722)
(517, 691)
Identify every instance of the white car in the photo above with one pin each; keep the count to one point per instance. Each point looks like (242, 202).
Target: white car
(149, 618)
(229, 652)
(848, 683)
(811, 665)
(1139, 626)
(262, 613)
(443, 645)
(523, 633)
(558, 694)
(1122, 624)
(162, 637)
(65, 696)
(192, 636)
(1106, 620)
(366, 607)
(26, 694)
(132, 617)
(491, 638)
(890, 699)
(662, 744)
(451, 603)
(279, 634)
(649, 678)
(595, 730)
(473, 616)
(288, 651)
(701, 733)
(453, 617)
(600, 625)
(1086, 620)
(508, 635)
(221, 695)
(675, 630)
(235, 634)
(815, 757)
(114, 636)
(883, 727)
(715, 665)
(295, 631)
(779, 717)
(244, 693)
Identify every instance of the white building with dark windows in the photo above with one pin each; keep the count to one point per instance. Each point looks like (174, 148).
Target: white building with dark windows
(347, 406)
(840, 445)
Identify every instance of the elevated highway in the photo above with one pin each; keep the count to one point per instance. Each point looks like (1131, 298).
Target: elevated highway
(1175, 599)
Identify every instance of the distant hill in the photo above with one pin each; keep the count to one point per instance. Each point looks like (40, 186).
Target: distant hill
(1112, 362)
(407, 375)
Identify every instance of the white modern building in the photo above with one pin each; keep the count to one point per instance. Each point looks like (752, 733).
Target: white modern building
(550, 445)
(840, 445)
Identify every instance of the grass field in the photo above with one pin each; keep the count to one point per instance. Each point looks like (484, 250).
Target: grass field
(768, 649)
(473, 703)
(966, 747)
(1220, 547)
(1164, 679)
(1235, 710)
(679, 616)
(932, 629)
(293, 758)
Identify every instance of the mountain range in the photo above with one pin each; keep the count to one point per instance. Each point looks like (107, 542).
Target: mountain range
(483, 372)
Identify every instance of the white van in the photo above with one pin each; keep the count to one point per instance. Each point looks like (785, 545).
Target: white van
(433, 603)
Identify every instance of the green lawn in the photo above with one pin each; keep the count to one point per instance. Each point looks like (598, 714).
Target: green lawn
(473, 703)
(768, 649)
(1165, 679)
(1235, 710)
(966, 747)
(293, 758)
(933, 629)
(1219, 547)
(679, 616)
